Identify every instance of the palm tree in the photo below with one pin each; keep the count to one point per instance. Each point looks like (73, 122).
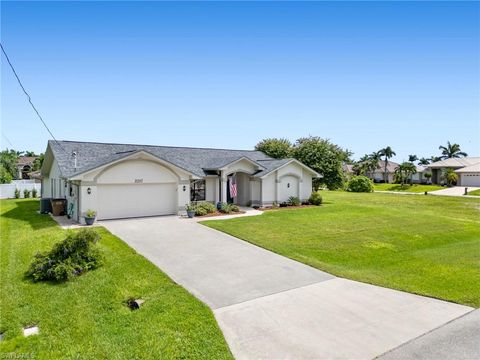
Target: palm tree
(412, 158)
(367, 164)
(404, 171)
(423, 161)
(450, 176)
(451, 151)
(387, 153)
(434, 158)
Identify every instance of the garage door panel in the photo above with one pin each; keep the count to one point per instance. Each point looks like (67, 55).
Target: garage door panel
(136, 200)
(470, 180)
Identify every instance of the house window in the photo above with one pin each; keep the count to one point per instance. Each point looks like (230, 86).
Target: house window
(197, 190)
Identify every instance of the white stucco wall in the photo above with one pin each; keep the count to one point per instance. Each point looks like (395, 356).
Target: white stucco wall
(136, 171)
(243, 189)
(240, 166)
(256, 191)
(268, 189)
(53, 185)
(211, 189)
(307, 188)
(275, 185)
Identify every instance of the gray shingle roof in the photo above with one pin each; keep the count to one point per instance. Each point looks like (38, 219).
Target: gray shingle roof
(270, 165)
(91, 155)
(455, 162)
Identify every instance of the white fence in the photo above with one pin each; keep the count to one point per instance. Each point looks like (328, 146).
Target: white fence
(7, 191)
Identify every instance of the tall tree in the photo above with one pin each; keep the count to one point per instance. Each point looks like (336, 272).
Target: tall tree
(276, 148)
(37, 164)
(404, 171)
(451, 151)
(322, 156)
(423, 161)
(8, 160)
(30, 153)
(412, 158)
(387, 153)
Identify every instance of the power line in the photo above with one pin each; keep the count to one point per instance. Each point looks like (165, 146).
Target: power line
(8, 140)
(29, 98)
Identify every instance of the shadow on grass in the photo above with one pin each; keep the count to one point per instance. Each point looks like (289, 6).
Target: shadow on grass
(27, 211)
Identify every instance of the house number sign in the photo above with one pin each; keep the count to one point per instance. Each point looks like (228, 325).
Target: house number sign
(138, 181)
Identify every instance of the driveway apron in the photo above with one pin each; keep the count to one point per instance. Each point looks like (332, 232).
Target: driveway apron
(271, 307)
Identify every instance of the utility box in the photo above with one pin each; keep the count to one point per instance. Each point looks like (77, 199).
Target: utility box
(58, 206)
(45, 205)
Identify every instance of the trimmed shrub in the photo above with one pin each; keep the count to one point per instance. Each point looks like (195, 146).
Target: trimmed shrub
(200, 211)
(207, 206)
(360, 184)
(26, 193)
(17, 194)
(316, 198)
(228, 208)
(34, 193)
(68, 258)
(293, 201)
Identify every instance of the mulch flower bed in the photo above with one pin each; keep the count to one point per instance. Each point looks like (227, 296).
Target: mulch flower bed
(218, 213)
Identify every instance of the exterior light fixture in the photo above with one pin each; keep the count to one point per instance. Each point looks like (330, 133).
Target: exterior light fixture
(89, 191)
(184, 188)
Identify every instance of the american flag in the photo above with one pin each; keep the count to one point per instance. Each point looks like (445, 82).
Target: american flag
(233, 186)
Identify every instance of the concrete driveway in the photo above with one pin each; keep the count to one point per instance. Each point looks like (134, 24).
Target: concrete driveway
(454, 191)
(271, 307)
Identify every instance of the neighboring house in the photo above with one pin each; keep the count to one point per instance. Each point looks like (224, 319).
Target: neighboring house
(122, 180)
(378, 174)
(467, 168)
(418, 177)
(24, 166)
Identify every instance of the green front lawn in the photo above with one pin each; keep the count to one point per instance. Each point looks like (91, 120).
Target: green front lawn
(414, 188)
(474, 192)
(428, 245)
(86, 318)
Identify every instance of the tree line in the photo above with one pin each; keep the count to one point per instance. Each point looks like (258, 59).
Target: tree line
(328, 159)
(9, 160)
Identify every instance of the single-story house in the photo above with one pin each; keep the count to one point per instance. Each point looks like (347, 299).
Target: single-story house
(378, 174)
(418, 177)
(123, 180)
(467, 168)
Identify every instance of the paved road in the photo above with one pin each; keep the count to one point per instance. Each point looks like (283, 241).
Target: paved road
(271, 307)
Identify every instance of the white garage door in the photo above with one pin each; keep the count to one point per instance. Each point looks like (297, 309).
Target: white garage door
(136, 200)
(288, 187)
(470, 180)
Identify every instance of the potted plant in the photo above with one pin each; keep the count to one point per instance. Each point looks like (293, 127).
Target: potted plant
(190, 210)
(90, 217)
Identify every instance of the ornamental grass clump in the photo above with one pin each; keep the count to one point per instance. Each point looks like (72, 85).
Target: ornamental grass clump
(69, 258)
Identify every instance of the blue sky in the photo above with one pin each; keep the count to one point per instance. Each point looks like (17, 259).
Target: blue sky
(224, 74)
